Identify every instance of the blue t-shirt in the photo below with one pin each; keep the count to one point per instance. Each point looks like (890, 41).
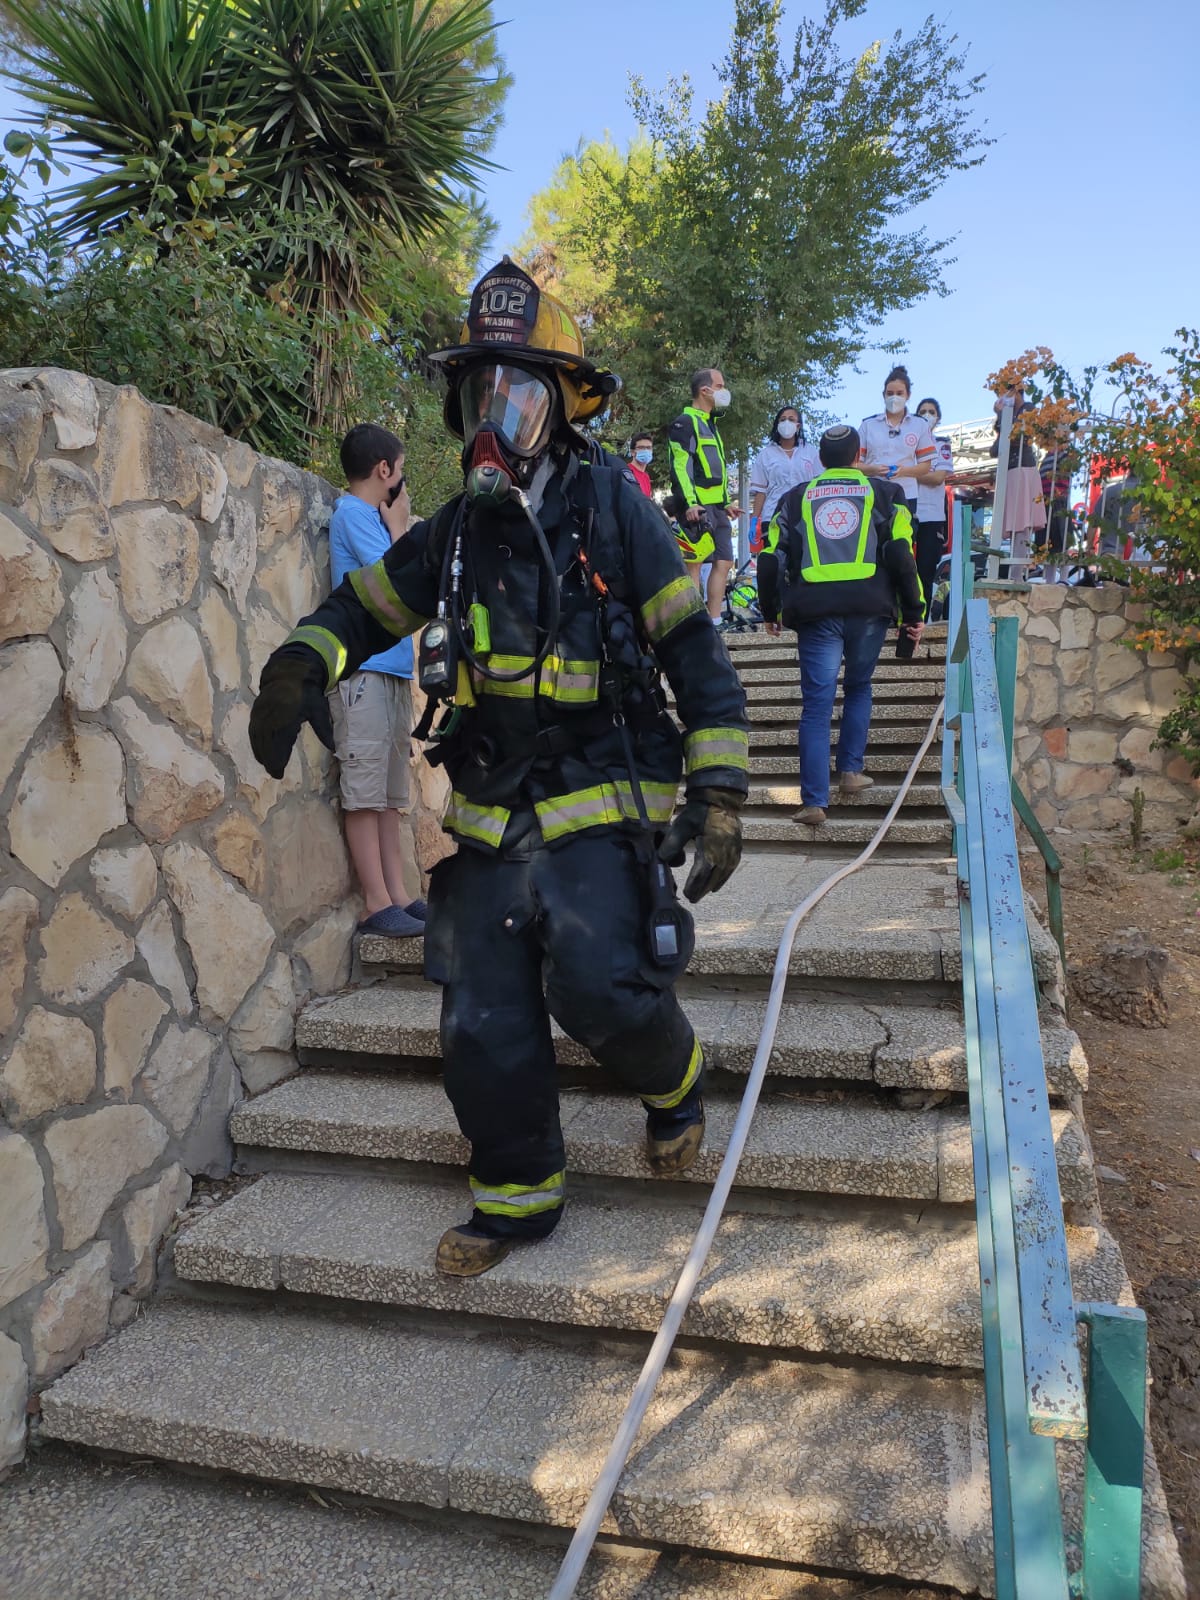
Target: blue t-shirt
(358, 538)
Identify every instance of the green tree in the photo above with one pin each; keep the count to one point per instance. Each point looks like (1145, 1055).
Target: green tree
(355, 127)
(764, 235)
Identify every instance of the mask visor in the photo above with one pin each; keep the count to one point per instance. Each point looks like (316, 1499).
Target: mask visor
(516, 402)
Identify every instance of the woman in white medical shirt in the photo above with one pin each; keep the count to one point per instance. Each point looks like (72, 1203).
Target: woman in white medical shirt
(930, 544)
(781, 465)
(896, 444)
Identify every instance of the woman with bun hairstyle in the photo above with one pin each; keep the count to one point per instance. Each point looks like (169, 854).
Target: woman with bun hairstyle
(896, 444)
(929, 545)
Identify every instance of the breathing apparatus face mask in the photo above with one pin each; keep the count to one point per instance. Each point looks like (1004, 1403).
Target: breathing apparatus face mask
(895, 403)
(508, 414)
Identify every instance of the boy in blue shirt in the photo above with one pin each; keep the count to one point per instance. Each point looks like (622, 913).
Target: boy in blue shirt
(372, 708)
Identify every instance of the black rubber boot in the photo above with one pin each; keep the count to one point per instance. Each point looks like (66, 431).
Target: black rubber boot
(674, 1137)
(465, 1251)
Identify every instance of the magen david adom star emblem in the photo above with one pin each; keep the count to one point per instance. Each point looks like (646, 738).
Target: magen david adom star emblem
(836, 519)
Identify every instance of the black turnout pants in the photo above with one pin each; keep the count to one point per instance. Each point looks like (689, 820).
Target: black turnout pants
(559, 933)
(930, 543)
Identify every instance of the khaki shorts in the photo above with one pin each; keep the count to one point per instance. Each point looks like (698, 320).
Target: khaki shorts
(372, 728)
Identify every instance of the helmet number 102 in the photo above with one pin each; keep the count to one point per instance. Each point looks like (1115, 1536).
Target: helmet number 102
(504, 302)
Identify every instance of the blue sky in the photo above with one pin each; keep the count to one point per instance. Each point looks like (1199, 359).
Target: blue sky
(1080, 231)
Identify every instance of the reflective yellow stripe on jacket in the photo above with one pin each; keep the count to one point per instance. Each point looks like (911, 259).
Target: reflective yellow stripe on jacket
(571, 683)
(717, 747)
(672, 604)
(327, 645)
(518, 1199)
(485, 823)
(375, 590)
(605, 804)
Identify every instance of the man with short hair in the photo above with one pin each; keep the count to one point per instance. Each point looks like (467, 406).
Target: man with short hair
(701, 481)
(641, 454)
(838, 560)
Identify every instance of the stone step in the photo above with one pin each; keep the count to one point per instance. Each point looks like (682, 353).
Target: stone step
(782, 707)
(83, 1529)
(798, 1144)
(907, 1047)
(891, 760)
(879, 796)
(876, 1471)
(917, 672)
(882, 735)
(877, 1288)
(933, 639)
(843, 831)
(922, 694)
(893, 921)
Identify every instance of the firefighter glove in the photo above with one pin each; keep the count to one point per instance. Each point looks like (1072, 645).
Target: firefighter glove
(710, 817)
(291, 692)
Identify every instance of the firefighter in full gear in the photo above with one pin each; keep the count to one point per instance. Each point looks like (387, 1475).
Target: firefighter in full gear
(838, 564)
(553, 593)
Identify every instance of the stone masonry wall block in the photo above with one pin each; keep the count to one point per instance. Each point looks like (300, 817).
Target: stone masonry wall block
(145, 1219)
(73, 404)
(159, 553)
(306, 864)
(20, 434)
(235, 550)
(132, 1014)
(1076, 626)
(31, 595)
(52, 1063)
(1041, 627)
(1109, 628)
(14, 1387)
(254, 783)
(84, 952)
(126, 878)
(237, 843)
(156, 944)
(24, 1234)
(72, 1313)
(170, 782)
(69, 796)
(1116, 666)
(66, 507)
(1091, 745)
(263, 632)
(18, 918)
(325, 949)
(220, 629)
(282, 503)
(227, 933)
(1041, 598)
(167, 668)
(122, 449)
(176, 1075)
(267, 1018)
(96, 642)
(289, 581)
(93, 1158)
(30, 679)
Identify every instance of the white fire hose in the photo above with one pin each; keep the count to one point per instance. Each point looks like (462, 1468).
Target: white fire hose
(584, 1537)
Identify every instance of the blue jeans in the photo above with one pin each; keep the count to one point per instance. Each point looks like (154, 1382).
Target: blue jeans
(821, 646)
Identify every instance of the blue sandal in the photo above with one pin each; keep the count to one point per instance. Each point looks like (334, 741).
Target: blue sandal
(418, 909)
(393, 922)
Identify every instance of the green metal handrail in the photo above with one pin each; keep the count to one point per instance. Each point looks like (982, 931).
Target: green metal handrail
(1033, 1378)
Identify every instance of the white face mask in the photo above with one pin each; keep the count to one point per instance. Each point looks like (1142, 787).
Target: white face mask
(721, 399)
(894, 402)
(787, 430)
(928, 416)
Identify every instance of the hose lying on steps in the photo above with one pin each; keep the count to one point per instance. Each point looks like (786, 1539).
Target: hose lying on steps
(584, 1537)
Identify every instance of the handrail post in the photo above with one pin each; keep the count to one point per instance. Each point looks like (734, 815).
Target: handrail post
(1112, 1487)
(1004, 643)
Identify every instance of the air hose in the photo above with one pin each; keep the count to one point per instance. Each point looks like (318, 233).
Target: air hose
(584, 1537)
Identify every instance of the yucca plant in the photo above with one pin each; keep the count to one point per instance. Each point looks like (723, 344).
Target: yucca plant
(364, 114)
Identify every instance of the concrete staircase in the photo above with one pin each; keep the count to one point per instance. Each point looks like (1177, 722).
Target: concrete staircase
(825, 1407)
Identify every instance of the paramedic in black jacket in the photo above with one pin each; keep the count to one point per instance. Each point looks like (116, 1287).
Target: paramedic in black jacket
(837, 565)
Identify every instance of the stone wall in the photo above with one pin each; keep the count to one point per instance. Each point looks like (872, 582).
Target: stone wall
(1087, 711)
(166, 906)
